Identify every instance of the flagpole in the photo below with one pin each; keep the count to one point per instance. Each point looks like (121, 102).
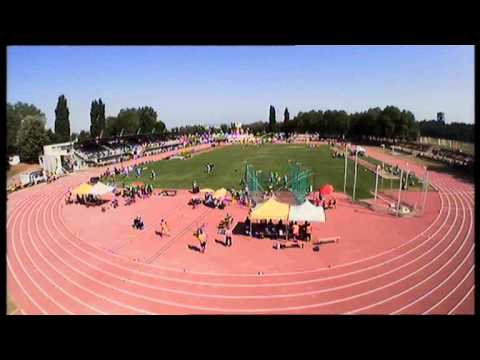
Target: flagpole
(355, 176)
(376, 182)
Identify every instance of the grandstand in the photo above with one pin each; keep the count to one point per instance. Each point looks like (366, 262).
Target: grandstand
(60, 159)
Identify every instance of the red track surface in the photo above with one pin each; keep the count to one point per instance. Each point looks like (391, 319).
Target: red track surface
(72, 260)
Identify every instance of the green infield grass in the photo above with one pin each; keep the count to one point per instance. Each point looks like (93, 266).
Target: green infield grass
(230, 164)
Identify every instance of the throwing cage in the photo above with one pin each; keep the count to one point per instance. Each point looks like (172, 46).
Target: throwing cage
(297, 180)
(300, 181)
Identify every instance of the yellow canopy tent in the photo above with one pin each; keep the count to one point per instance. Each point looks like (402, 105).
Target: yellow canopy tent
(207, 190)
(82, 189)
(270, 210)
(220, 193)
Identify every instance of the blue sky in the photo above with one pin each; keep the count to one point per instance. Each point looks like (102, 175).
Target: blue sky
(211, 85)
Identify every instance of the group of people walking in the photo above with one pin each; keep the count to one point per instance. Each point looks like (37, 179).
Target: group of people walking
(132, 192)
(138, 223)
(209, 167)
(326, 204)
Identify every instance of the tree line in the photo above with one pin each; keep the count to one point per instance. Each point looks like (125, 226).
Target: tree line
(454, 131)
(27, 132)
(390, 122)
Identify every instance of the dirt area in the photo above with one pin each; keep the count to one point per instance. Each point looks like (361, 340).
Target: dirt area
(11, 307)
(13, 175)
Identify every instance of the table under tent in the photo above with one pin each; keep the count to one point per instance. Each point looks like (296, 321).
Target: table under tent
(277, 211)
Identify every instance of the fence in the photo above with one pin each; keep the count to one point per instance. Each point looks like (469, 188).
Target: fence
(468, 148)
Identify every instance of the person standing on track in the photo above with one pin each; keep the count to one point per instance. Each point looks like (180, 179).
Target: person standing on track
(202, 238)
(308, 231)
(228, 236)
(295, 230)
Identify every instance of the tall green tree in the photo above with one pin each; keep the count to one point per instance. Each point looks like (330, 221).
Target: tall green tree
(271, 120)
(15, 115)
(286, 119)
(111, 128)
(224, 128)
(286, 116)
(128, 120)
(32, 136)
(94, 119)
(62, 122)
(52, 137)
(160, 127)
(97, 118)
(131, 120)
(101, 116)
(83, 136)
(147, 118)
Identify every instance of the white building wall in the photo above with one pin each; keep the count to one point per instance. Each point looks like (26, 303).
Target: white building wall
(51, 158)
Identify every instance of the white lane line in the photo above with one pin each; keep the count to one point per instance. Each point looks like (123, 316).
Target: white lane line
(22, 241)
(447, 278)
(74, 298)
(22, 267)
(83, 274)
(292, 283)
(432, 260)
(418, 270)
(461, 301)
(9, 266)
(252, 296)
(451, 291)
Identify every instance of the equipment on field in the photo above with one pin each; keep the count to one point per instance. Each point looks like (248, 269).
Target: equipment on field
(297, 180)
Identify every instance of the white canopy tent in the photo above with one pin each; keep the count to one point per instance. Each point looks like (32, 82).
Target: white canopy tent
(307, 212)
(100, 189)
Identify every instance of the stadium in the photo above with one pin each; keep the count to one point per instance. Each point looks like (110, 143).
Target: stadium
(326, 213)
(67, 258)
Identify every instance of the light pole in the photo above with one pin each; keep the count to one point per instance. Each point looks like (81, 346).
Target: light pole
(376, 182)
(425, 186)
(345, 174)
(355, 176)
(406, 177)
(399, 192)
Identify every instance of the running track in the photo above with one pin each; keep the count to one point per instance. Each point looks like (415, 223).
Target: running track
(53, 271)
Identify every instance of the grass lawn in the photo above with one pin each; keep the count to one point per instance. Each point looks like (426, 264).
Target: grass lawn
(229, 167)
